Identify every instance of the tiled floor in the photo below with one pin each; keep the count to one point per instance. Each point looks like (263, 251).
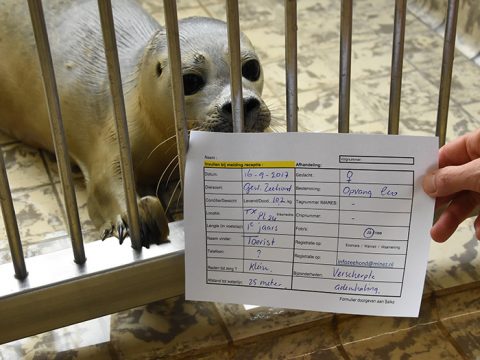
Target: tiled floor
(448, 326)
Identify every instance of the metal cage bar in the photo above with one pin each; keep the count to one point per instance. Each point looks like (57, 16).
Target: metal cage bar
(57, 129)
(11, 226)
(291, 64)
(397, 66)
(447, 67)
(235, 65)
(111, 53)
(345, 66)
(175, 62)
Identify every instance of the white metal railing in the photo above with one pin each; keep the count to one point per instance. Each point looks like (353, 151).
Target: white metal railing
(49, 291)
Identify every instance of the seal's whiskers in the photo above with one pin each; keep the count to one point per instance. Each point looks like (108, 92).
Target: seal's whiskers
(163, 142)
(171, 173)
(163, 173)
(171, 196)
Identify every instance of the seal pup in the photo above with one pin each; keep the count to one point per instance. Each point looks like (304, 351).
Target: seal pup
(82, 79)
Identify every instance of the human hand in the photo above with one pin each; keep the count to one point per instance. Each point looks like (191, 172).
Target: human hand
(456, 185)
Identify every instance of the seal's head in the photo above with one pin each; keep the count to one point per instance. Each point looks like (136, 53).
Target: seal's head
(206, 77)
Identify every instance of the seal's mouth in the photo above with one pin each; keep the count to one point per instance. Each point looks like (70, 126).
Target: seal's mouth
(220, 124)
(220, 119)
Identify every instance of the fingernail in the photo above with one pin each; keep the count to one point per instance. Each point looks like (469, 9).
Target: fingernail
(429, 184)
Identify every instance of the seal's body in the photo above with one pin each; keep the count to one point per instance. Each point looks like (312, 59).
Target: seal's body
(82, 79)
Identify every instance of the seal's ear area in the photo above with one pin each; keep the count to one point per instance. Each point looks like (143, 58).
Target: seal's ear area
(251, 70)
(192, 83)
(158, 69)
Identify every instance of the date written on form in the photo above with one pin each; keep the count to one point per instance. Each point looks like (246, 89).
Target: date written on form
(331, 225)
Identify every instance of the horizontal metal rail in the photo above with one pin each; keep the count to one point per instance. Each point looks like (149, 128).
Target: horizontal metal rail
(59, 292)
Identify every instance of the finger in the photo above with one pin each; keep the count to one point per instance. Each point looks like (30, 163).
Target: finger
(460, 151)
(453, 179)
(459, 209)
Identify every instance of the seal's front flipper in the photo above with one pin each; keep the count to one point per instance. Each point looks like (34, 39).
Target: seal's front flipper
(153, 221)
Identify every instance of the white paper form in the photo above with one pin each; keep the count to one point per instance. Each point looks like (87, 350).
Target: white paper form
(325, 222)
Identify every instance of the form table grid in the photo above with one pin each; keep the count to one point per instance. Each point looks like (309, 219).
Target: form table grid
(292, 226)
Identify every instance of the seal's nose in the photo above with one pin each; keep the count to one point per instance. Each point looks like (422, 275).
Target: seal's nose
(250, 105)
(227, 108)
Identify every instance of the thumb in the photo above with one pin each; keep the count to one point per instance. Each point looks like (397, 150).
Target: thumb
(452, 179)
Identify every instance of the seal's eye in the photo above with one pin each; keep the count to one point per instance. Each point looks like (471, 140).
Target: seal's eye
(251, 70)
(192, 83)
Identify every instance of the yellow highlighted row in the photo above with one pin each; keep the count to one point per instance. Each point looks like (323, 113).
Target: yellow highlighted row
(249, 164)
